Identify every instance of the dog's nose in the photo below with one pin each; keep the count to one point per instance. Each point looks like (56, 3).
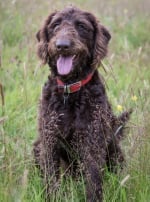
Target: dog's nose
(63, 44)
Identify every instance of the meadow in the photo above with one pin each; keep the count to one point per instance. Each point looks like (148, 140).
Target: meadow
(127, 77)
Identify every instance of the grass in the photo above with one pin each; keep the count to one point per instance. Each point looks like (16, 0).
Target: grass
(21, 79)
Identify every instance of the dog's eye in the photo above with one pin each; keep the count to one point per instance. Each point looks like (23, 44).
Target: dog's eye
(81, 26)
(55, 24)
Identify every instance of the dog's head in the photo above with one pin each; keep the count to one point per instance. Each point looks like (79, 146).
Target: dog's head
(72, 41)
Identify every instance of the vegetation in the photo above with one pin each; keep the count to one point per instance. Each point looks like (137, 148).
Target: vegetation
(127, 77)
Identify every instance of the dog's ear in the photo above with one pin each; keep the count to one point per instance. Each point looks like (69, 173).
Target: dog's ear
(106, 34)
(102, 37)
(42, 37)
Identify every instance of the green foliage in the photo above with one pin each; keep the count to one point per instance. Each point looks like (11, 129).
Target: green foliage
(12, 30)
(21, 79)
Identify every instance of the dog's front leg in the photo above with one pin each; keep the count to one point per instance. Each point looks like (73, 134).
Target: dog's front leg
(49, 155)
(51, 167)
(93, 180)
(92, 163)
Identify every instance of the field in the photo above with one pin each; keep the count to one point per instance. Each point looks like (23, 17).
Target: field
(127, 76)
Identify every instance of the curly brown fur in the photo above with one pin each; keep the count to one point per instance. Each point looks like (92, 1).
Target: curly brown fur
(83, 133)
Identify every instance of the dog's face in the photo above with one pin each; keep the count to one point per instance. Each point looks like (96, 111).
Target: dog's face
(71, 41)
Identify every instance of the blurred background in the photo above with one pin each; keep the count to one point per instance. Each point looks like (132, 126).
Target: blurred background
(127, 77)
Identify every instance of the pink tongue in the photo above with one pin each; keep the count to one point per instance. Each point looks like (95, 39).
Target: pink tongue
(64, 65)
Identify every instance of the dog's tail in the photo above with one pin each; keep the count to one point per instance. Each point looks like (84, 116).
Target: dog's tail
(121, 122)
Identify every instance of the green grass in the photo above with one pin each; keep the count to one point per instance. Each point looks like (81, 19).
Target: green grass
(21, 80)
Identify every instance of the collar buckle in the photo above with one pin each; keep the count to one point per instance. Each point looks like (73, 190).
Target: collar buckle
(74, 87)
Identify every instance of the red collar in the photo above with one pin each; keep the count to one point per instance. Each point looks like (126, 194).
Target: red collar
(74, 87)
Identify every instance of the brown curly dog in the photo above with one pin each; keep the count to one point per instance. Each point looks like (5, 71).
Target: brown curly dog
(76, 122)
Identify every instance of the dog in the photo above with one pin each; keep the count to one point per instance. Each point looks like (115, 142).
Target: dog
(76, 123)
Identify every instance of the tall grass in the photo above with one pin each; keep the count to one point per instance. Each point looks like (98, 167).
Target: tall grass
(21, 79)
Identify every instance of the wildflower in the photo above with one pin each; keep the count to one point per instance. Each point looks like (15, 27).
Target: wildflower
(119, 108)
(125, 11)
(134, 98)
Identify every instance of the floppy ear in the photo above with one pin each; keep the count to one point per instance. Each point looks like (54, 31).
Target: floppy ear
(106, 34)
(42, 37)
(102, 37)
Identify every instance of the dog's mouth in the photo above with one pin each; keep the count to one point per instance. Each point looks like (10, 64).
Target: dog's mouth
(65, 64)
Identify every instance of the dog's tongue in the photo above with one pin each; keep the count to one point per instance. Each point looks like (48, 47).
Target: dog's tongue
(64, 64)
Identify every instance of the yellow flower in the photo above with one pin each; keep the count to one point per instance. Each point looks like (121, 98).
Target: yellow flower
(125, 11)
(119, 108)
(134, 98)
